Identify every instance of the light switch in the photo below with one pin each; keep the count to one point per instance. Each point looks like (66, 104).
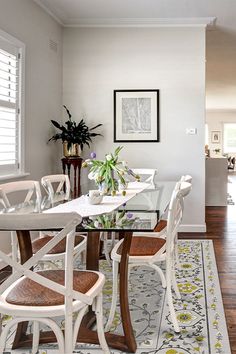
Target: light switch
(191, 131)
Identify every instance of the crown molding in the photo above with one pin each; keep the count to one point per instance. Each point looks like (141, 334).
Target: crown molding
(208, 22)
(50, 12)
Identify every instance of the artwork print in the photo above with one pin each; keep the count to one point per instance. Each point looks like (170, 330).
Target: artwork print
(136, 115)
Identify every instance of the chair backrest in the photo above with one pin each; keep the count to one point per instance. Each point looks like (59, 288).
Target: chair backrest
(175, 212)
(146, 174)
(30, 191)
(65, 224)
(57, 187)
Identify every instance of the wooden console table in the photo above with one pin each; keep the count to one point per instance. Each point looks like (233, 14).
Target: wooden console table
(76, 162)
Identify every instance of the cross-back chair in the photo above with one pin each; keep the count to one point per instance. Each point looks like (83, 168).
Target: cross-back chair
(33, 194)
(146, 174)
(57, 187)
(148, 250)
(24, 191)
(44, 295)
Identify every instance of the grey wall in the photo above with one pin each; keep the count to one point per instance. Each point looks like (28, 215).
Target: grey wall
(98, 60)
(43, 83)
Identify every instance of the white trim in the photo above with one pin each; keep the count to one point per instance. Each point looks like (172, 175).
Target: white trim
(221, 110)
(192, 228)
(15, 176)
(129, 22)
(50, 12)
(12, 40)
(21, 105)
(142, 22)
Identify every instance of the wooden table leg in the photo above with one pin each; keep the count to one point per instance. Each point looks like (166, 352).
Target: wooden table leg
(124, 343)
(75, 182)
(124, 303)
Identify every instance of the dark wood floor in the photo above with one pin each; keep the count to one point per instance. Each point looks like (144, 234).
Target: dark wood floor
(221, 228)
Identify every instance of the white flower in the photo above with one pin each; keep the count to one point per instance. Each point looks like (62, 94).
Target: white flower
(108, 157)
(96, 224)
(124, 163)
(92, 175)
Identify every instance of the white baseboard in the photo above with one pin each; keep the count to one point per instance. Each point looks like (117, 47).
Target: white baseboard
(193, 228)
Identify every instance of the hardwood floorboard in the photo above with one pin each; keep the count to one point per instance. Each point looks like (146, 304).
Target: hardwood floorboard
(221, 228)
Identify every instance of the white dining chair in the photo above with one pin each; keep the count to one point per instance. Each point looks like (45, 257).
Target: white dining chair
(57, 187)
(27, 193)
(12, 192)
(42, 296)
(149, 251)
(146, 174)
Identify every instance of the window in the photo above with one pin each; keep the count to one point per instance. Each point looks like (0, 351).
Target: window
(229, 137)
(11, 109)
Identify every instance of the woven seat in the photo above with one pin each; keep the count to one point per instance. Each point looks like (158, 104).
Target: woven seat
(59, 248)
(29, 293)
(144, 246)
(160, 226)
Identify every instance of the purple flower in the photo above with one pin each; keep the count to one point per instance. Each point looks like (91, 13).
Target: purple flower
(93, 155)
(129, 215)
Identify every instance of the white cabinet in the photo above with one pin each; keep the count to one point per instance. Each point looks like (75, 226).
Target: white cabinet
(216, 181)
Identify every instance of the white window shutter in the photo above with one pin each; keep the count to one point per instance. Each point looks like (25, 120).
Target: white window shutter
(9, 109)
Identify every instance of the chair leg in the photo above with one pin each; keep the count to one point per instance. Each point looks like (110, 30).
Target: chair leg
(100, 328)
(161, 274)
(36, 335)
(114, 296)
(169, 296)
(106, 250)
(68, 333)
(175, 285)
(176, 254)
(83, 257)
(3, 337)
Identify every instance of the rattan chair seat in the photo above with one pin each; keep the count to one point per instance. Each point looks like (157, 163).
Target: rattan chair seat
(59, 248)
(29, 293)
(144, 246)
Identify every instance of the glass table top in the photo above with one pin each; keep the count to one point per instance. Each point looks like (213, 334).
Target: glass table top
(141, 213)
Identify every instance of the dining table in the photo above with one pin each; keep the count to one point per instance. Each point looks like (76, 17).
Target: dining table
(139, 210)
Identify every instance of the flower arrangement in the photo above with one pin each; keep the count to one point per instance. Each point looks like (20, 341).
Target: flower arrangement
(109, 174)
(74, 133)
(120, 220)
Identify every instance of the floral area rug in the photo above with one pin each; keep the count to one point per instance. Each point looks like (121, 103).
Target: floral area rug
(200, 311)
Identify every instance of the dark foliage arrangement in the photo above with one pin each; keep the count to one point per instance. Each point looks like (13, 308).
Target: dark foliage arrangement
(74, 133)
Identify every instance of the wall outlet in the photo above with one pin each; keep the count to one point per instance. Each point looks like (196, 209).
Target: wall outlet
(191, 131)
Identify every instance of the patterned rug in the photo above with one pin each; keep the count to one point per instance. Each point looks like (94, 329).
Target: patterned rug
(200, 311)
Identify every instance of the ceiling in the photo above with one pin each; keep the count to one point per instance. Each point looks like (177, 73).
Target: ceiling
(221, 42)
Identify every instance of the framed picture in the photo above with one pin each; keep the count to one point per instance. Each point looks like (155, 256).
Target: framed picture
(136, 115)
(215, 136)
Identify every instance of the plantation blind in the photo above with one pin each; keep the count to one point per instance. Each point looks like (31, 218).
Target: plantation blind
(9, 108)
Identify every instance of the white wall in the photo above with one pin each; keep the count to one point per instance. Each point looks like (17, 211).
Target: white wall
(215, 120)
(98, 60)
(43, 82)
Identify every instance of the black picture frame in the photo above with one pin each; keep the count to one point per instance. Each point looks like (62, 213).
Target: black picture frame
(136, 116)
